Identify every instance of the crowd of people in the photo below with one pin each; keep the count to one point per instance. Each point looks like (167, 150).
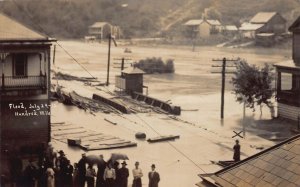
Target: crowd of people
(57, 171)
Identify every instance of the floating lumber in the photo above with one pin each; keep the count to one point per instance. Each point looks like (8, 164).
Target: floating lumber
(225, 163)
(112, 103)
(163, 138)
(176, 110)
(87, 139)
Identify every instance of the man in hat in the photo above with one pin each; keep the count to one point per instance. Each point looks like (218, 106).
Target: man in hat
(82, 170)
(236, 151)
(153, 177)
(137, 176)
(123, 175)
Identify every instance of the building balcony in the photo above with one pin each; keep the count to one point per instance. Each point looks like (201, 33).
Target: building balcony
(11, 83)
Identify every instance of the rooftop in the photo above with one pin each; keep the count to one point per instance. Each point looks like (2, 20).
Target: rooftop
(295, 25)
(250, 26)
(99, 24)
(288, 64)
(133, 70)
(262, 17)
(199, 21)
(276, 166)
(11, 29)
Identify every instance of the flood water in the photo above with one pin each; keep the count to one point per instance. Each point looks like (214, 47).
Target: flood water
(193, 87)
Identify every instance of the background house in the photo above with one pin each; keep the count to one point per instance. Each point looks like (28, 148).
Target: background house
(264, 22)
(288, 80)
(24, 90)
(203, 28)
(101, 30)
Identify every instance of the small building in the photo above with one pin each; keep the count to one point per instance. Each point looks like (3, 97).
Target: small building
(229, 30)
(101, 30)
(288, 80)
(264, 22)
(24, 90)
(203, 28)
(275, 166)
(131, 80)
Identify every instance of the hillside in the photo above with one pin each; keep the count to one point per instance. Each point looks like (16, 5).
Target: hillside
(137, 18)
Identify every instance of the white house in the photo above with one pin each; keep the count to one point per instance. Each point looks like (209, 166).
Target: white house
(203, 28)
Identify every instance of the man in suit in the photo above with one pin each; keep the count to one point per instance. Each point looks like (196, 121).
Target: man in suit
(153, 177)
(123, 175)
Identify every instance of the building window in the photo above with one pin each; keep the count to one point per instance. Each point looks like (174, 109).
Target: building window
(19, 65)
(286, 81)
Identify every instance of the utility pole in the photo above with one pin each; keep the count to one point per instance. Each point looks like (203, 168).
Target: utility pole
(223, 66)
(108, 60)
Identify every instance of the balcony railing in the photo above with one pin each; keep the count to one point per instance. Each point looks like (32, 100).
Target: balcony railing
(24, 82)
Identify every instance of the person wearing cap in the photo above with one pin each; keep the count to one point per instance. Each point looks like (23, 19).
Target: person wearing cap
(82, 170)
(67, 175)
(137, 176)
(154, 177)
(123, 175)
(236, 151)
(29, 175)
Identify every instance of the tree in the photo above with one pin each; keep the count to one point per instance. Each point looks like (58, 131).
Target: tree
(253, 85)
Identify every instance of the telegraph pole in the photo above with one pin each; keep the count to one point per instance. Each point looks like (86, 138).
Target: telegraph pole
(108, 60)
(223, 66)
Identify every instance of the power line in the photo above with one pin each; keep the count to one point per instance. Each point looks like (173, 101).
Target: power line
(43, 30)
(178, 150)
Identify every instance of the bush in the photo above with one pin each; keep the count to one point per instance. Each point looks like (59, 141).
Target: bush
(156, 65)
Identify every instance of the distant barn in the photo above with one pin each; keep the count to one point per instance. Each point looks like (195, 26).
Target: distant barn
(101, 30)
(264, 26)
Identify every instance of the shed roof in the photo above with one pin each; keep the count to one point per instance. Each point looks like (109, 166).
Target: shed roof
(230, 28)
(99, 24)
(133, 70)
(11, 29)
(288, 64)
(276, 166)
(250, 26)
(199, 21)
(295, 25)
(263, 17)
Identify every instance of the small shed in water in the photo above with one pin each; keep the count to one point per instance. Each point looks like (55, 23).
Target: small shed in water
(288, 83)
(131, 80)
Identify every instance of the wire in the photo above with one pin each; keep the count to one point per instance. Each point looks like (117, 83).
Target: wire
(43, 30)
(178, 150)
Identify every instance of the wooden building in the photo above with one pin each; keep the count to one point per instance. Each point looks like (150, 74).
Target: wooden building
(264, 22)
(101, 30)
(131, 80)
(203, 28)
(24, 89)
(288, 81)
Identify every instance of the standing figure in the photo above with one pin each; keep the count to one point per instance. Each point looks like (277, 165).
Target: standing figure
(109, 176)
(100, 173)
(237, 151)
(16, 167)
(82, 170)
(153, 177)
(50, 176)
(30, 175)
(67, 175)
(123, 175)
(137, 176)
(90, 176)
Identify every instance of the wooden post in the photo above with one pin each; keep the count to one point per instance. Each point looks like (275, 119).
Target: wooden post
(53, 58)
(3, 81)
(122, 64)
(223, 87)
(108, 60)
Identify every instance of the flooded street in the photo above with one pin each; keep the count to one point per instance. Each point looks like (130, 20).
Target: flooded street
(203, 136)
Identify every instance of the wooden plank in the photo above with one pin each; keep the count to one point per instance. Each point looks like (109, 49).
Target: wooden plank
(66, 133)
(66, 128)
(162, 138)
